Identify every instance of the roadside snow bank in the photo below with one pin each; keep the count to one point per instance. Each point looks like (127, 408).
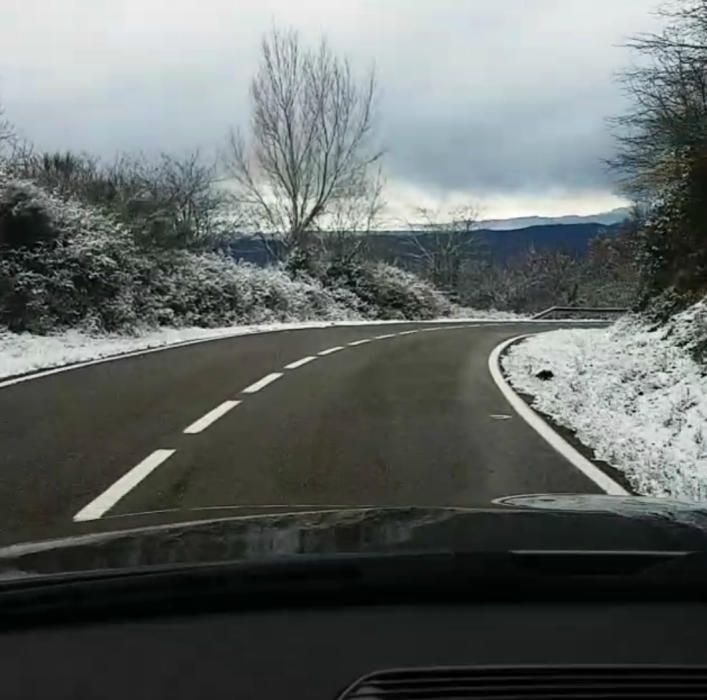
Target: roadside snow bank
(630, 392)
(21, 353)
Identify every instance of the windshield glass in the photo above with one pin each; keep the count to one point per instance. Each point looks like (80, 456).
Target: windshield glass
(280, 265)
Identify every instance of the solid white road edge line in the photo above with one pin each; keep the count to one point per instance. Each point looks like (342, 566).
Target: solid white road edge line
(262, 383)
(299, 363)
(329, 351)
(211, 417)
(100, 505)
(591, 471)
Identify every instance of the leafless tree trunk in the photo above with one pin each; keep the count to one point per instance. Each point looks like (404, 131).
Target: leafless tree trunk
(310, 148)
(443, 244)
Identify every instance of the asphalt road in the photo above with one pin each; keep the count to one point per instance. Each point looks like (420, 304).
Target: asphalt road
(412, 419)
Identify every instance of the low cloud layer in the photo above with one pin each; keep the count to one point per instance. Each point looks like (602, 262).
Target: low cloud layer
(504, 102)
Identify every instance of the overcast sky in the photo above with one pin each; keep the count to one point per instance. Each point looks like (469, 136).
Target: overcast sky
(497, 102)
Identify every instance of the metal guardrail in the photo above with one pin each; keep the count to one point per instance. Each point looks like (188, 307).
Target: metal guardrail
(597, 310)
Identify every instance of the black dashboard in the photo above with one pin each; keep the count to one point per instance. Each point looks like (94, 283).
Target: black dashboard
(319, 651)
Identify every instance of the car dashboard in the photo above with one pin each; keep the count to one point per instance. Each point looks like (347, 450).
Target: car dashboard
(324, 652)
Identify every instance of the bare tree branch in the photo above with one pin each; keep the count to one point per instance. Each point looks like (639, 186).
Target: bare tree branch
(8, 137)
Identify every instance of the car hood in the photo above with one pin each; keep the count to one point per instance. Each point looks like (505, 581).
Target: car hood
(527, 522)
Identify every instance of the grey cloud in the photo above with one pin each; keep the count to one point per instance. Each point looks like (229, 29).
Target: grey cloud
(491, 97)
(516, 147)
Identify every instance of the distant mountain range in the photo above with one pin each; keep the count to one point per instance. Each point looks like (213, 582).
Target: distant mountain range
(607, 218)
(497, 245)
(503, 245)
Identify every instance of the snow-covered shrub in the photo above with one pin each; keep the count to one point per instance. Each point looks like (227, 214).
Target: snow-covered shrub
(688, 330)
(212, 290)
(86, 269)
(25, 218)
(389, 292)
(69, 265)
(64, 264)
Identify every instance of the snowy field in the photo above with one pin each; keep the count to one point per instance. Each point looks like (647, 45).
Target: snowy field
(631, 393)
(21, 353)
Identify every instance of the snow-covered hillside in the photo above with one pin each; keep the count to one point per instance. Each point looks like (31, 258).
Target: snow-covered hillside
(633, 393)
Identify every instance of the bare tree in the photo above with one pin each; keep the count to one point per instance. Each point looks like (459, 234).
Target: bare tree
(344, 234)
(311, 144)
(169, 201)
(667, 85)
(530, 282)
(662, 150)
(177, 195)
(440, 248)
(8, 136)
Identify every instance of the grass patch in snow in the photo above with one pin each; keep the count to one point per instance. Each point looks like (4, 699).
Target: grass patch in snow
(633, 393)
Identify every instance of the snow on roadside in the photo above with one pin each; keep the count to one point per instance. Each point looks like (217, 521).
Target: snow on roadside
(21, 353)
(632, 393)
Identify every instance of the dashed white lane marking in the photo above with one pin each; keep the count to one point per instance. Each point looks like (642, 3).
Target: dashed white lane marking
(329, 351)
(590, 470)
(299, 363)
(211, 417)
(98, 506)
(262, 383)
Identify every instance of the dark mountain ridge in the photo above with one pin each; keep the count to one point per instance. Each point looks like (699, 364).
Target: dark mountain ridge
(494, 245)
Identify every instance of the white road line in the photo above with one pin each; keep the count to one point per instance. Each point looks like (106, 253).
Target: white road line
(385, 335)
(299, 363)
(262, 383)
(211, 417)
(408, 332)
(100, 505)
(591, 471)
(329, 351)
(360, 342)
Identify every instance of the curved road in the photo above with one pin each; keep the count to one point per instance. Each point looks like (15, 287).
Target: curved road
(411, 417)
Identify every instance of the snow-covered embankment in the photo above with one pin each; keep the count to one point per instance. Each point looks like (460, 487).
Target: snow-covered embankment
(632, 393)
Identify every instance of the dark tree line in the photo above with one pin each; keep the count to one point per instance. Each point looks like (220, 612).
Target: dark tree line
(168, 201)
(662, 152)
